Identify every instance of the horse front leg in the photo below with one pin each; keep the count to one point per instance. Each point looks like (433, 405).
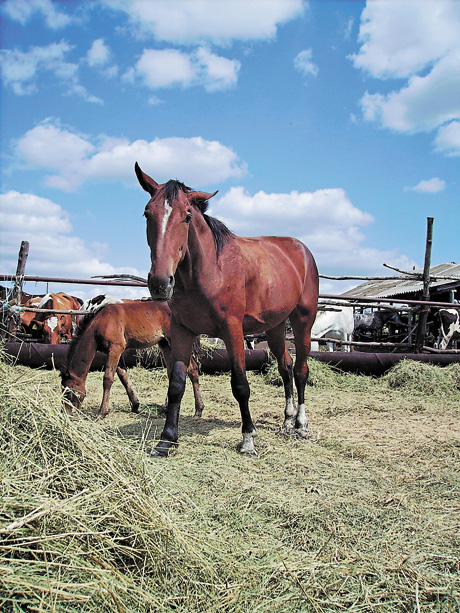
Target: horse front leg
(181, 344)
(234, 342)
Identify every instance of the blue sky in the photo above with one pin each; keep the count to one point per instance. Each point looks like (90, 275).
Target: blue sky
(335, 122)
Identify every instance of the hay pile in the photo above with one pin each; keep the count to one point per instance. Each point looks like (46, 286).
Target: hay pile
(363, 519)
(81, 524)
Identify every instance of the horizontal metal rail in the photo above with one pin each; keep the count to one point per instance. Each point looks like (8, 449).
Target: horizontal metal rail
(352, 299)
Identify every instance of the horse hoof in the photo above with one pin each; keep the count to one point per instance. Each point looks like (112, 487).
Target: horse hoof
(198, 414)
(302, 433)
(250, 452)
(135, 409)
(163, 449)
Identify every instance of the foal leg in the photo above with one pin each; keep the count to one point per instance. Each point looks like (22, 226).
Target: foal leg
(277, 343)
(113, 358)
(123, 376)
(234, 342)
(193, 375)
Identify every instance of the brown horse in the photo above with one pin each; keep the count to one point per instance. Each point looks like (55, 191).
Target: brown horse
(134, 324)
(227, 286)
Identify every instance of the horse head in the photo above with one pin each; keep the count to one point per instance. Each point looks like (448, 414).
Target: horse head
(170, 213)
(73, 390)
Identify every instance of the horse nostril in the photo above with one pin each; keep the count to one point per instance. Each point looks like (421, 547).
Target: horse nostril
(171, 280)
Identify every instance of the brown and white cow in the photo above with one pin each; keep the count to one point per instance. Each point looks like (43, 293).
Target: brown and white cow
(52, 328)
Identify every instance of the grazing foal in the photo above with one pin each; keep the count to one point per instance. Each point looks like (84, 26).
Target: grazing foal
(227, 286)
(134, 324)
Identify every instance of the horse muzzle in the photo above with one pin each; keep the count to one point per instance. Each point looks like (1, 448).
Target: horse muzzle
(160, 289)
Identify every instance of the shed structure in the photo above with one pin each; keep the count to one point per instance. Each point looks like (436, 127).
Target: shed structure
(445, 286)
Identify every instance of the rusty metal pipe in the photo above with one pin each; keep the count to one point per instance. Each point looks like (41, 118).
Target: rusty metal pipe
(42, 355)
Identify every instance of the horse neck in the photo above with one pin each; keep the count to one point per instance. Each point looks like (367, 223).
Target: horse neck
(82, 353)
(200, 262)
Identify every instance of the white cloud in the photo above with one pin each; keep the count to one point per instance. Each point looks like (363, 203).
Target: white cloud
(325, 220)
(20, 70)
(169, 67)
(191, 22)
(76, 159)
(430, 186)
(217, 72)
(99, 53)
(303, 63)
(448, 139)
(419, 43)
(23, 10)
(164, 68)
(54, 250)
(426, 103)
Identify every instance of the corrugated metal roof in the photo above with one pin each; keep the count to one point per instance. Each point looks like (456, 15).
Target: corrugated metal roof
(395, 287)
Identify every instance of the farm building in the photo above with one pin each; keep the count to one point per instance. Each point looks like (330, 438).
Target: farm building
(401, 327)
(445, 286)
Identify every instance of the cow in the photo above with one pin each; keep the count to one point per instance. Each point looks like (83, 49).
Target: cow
(51, 328)
(97, 302)
(369, 326)
(333, 324)
(449, 327)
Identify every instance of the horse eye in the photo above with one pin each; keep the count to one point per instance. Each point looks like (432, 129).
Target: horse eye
(188, 218)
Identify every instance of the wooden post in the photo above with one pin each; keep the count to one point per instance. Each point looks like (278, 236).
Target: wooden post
(424, 310)
(21, 267)
(17, 289)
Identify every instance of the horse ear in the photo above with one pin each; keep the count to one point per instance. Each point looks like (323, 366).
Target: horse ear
(201, 196)
(146, 182)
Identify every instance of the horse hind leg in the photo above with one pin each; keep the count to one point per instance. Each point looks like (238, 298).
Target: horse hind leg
(123, 376)
(193, 375)
(234, 342)
(109, 374)
(277, 343)
(301, 321)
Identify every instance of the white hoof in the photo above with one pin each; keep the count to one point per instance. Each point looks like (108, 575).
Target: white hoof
(247, 446)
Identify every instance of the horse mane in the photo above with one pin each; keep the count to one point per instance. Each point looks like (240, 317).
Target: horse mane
(219, 230)
(76, 336)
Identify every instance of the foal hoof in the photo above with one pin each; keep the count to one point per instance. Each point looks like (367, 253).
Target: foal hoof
(163, 449)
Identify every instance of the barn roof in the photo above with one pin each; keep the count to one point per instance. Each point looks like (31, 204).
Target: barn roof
(395, 287)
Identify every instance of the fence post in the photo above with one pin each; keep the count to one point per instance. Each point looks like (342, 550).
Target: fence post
(424, 310)
(13, 319)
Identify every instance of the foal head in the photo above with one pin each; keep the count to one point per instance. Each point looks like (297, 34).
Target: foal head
(169, 214)
(73, 390)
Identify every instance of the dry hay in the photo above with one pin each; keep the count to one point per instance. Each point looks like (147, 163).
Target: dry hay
(363, 517)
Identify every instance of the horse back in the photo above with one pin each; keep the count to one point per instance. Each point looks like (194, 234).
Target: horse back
(279, 275)
(136, 324)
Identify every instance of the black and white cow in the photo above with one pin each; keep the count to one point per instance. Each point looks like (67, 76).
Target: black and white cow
(369, 326)
(449, 327)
